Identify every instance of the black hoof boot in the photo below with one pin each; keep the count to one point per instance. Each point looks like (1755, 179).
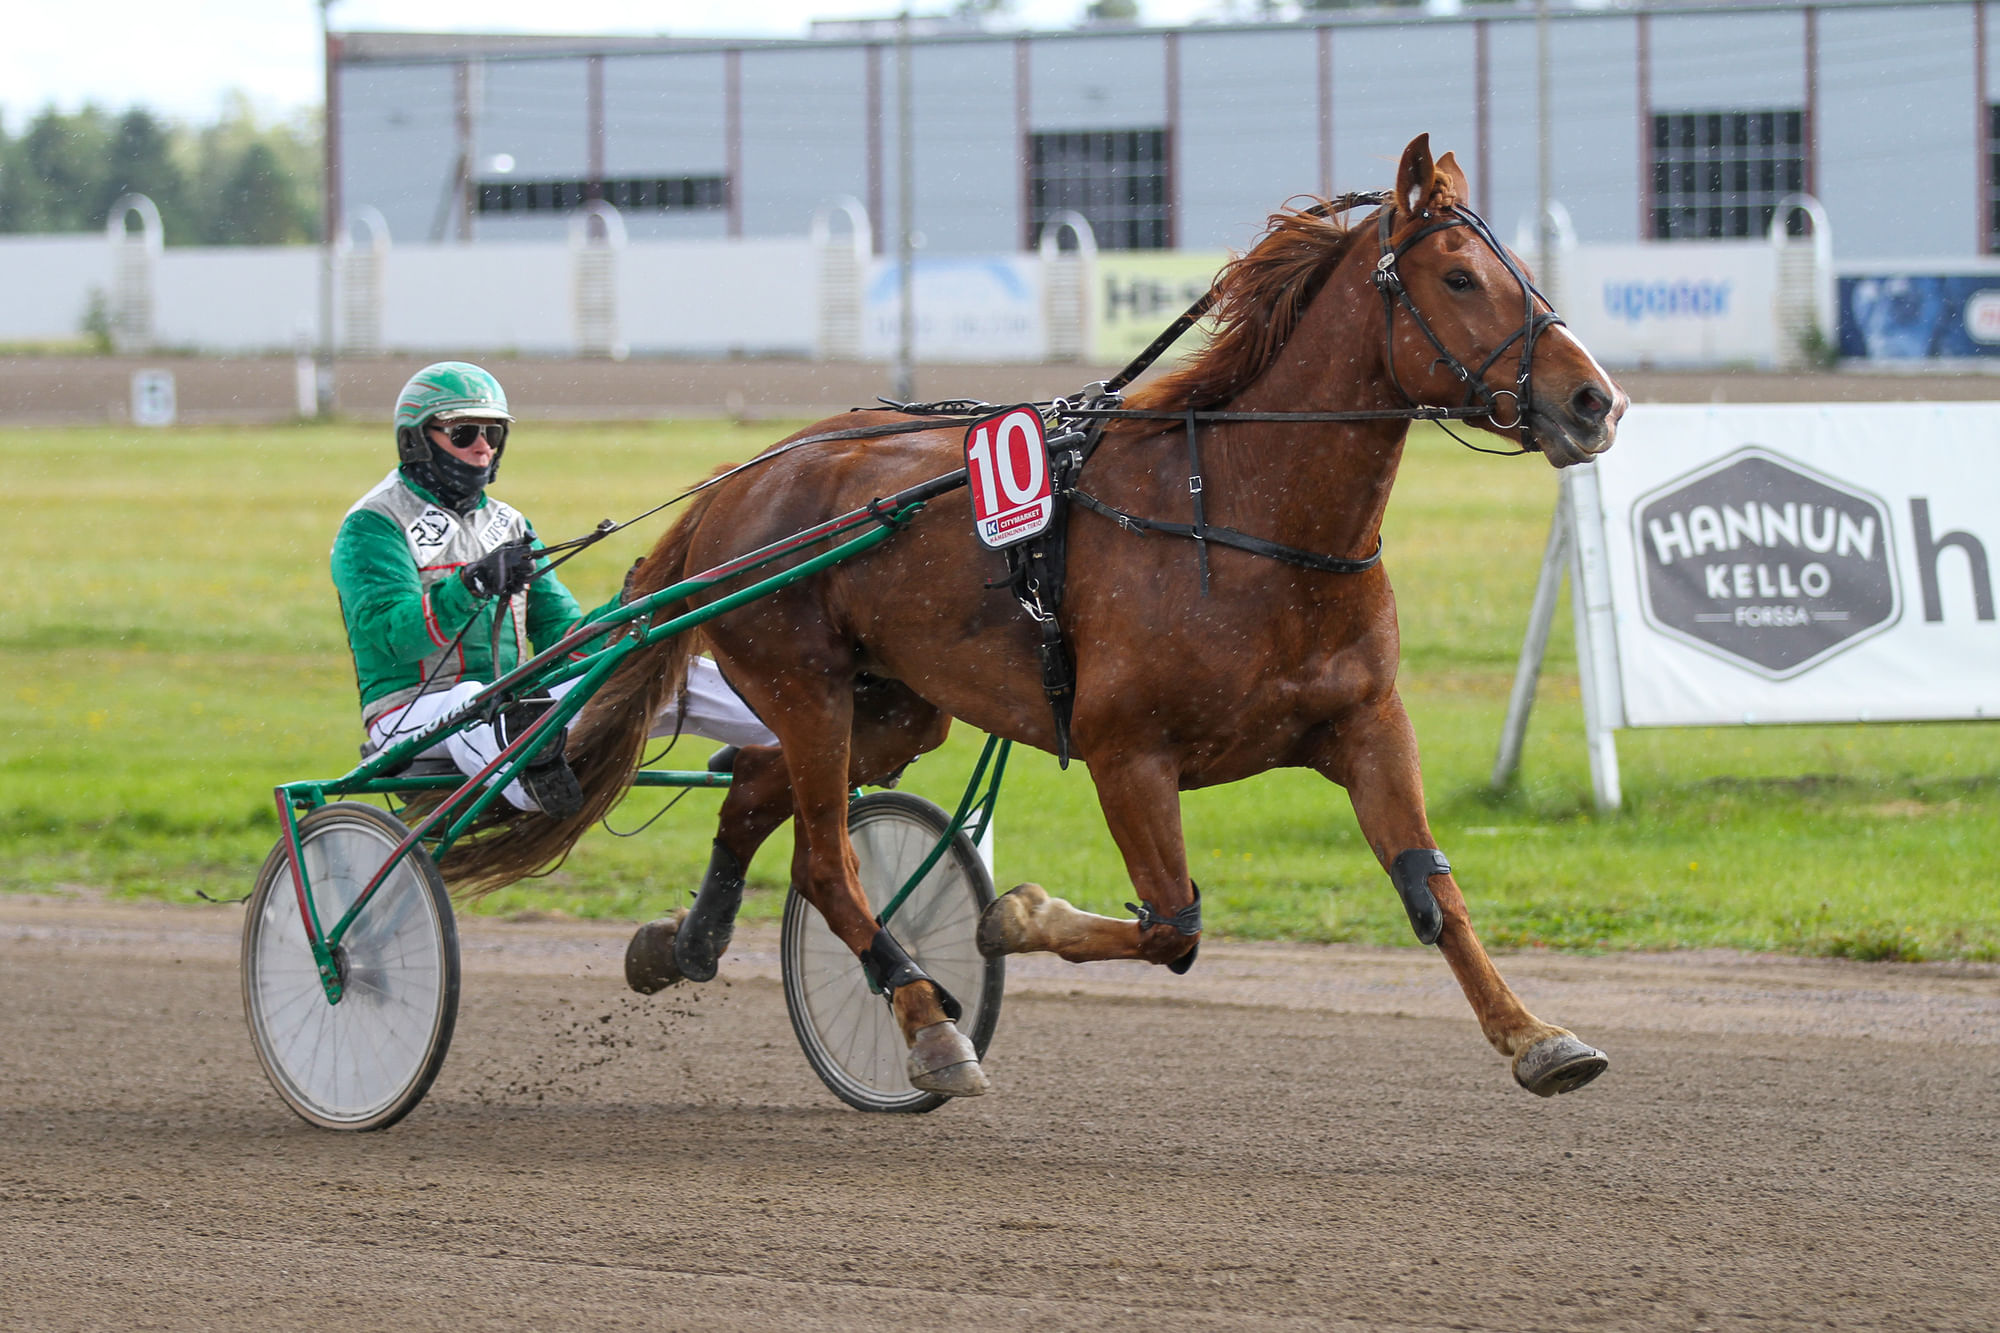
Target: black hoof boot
(705, 933)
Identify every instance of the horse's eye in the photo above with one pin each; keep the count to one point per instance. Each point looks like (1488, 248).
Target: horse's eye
(1459, 280)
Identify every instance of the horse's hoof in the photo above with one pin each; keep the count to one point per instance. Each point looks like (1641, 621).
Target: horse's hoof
(1558, 1064)
(649, 958)
(1003, 926)
(943, 1061)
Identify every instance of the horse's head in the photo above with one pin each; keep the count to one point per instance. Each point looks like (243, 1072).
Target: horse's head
(1467, 327)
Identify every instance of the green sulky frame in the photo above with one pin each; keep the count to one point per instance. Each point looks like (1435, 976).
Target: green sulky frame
(628, 628)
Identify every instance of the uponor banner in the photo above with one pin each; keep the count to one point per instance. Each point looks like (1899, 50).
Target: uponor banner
(1822, 563)
(1693, 303)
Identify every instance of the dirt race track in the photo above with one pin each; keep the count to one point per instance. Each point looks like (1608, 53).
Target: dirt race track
(1289, 1137)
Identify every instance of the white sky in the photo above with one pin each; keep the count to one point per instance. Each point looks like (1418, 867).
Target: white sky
(180, 59)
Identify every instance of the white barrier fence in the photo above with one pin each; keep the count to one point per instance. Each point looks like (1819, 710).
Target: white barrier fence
(593, 297)
(1714, 303)
(1772, 564)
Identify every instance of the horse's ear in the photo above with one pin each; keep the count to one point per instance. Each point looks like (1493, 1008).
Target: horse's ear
(1413, 177)
(1451, 182)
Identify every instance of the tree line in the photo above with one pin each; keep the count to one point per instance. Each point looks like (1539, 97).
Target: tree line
(238, 180)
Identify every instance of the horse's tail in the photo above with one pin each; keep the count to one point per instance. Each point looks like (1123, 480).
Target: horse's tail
(606, 741)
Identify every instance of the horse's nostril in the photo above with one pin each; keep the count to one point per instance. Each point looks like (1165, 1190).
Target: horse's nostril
(1591, 404)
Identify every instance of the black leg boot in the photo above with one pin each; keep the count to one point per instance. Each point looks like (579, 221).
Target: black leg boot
(549, 780)
(704, 935)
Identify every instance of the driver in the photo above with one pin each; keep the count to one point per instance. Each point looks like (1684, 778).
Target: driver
(440, 595)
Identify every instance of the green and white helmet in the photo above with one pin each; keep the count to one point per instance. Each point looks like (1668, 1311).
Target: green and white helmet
(445, 392)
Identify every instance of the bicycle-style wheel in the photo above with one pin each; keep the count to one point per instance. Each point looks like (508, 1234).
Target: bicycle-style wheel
(849, 1035)
(365, 1062)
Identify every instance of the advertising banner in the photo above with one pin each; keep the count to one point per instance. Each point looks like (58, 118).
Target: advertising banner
(1690, 303)
(1919, 316)
(1823, 563)
(969, 308)
(1140, 292)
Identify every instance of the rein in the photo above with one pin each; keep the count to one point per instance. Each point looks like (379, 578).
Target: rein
(576, 545)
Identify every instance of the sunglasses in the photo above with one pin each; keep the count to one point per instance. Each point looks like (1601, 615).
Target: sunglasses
(465, 434)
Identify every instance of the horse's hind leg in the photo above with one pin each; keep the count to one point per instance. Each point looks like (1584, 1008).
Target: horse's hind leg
(1140, 797)
(892, 725)
(815, 723)
(1374, 755)
(689, 942)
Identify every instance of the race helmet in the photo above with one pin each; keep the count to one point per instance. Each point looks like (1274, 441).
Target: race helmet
(440, 394)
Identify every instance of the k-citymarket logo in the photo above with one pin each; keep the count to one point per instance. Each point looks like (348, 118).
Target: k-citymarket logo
(1766, 563)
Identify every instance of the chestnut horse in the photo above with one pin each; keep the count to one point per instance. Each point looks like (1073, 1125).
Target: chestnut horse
(860, 668)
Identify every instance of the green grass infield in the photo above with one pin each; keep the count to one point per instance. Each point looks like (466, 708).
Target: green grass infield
(173, 649)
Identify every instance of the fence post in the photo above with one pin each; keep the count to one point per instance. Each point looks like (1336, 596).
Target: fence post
(1596, 632)
(133, 262)
(361, 283)
(843, 272)
(1068, 279)
(596, 236)
(1803, 308)
(1534, 644)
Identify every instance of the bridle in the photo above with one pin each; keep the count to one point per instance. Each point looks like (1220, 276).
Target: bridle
(1389, 282)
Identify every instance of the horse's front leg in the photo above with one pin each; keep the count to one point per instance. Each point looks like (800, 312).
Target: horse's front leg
(1373, 753)
(1140, 796)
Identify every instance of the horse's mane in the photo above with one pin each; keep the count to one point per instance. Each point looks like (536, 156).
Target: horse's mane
(1259, 299)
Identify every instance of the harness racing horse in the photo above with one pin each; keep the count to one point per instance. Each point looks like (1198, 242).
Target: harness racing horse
(1277, 662)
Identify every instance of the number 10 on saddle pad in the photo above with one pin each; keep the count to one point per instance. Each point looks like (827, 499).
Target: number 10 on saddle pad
(1007, 462)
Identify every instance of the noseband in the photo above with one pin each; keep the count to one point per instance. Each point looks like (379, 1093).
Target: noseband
(1389, 282)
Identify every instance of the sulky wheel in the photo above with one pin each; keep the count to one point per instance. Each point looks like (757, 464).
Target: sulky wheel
(848, 1032)
(365, 1062)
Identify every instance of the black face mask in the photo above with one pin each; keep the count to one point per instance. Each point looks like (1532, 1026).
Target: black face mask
(456, 484)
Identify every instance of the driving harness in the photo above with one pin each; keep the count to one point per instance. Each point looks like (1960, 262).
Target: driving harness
(1036, 568)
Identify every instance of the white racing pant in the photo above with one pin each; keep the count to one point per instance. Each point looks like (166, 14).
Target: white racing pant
(713, 710)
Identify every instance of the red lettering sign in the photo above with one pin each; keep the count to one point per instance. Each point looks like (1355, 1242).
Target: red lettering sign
(1007, 460)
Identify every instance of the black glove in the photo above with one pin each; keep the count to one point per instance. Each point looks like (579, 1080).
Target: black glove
(499, 573)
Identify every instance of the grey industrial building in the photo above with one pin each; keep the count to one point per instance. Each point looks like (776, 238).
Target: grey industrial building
(1668, 121)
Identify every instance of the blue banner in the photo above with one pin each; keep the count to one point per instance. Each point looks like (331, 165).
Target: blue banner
(1919, 316)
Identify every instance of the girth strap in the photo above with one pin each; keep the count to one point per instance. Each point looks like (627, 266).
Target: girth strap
(1037, 571)
(1200, 530)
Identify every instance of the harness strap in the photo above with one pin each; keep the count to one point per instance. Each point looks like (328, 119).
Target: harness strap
(1416, 412)
(1200, 531)
(1037, 572)
(1242, 541)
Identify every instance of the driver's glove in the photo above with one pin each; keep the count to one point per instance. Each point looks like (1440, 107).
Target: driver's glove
(501, 572)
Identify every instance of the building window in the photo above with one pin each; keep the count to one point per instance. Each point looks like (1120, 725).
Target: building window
(670, 194)
(1993, 179)
(1116, 178)
(1720, 174)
